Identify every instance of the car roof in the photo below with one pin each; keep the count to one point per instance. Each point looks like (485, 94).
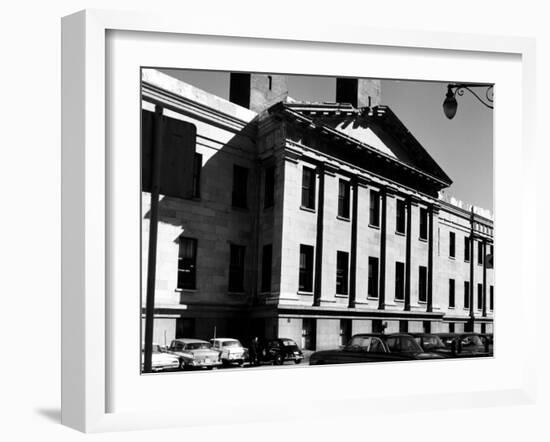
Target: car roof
(381, 335)
(420, 334)
(190, 341)
(224, 339)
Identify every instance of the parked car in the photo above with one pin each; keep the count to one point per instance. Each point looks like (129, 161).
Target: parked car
(466, 345)
(195, 353)
(432, 343)
(278, 351)
(487, 339)
(231, 350)
(374, 347)
(160, 360)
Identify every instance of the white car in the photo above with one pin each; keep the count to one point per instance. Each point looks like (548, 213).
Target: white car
(194, 353)
(161, 360)
(231, 350)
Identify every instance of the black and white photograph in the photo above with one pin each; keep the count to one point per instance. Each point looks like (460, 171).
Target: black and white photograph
(292, 220)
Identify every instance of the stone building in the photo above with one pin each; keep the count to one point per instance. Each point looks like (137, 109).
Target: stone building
(311, 221)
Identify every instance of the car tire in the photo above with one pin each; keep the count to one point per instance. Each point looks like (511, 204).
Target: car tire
(297, 361)
(183, 366)
(278, 360)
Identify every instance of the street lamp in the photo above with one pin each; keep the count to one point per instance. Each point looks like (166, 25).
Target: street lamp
(453, 89)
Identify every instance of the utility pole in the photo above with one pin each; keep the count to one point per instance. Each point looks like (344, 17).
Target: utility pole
(153, 235)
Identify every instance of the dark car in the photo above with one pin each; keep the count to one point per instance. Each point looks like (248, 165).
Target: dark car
(466, 345)
(278, 351)
(487, 339)
(374, 347)
(432, 343)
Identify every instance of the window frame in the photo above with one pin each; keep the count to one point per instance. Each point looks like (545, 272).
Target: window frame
(400, 216)
(374, 278)
(399, 282)
(422, 284)
(193, 272)
(423, 224)
(308, 270)
(467, 294)
(344, 198)
(236, 286)
(452, 293)
(308, 190)
(266, 274)
(344, 276)
(452, 245)
(374, 208)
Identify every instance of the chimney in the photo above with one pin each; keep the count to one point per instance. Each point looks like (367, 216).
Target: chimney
(359, 92)
(257, 91)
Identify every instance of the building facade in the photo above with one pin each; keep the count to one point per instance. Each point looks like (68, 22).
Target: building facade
(311, 221)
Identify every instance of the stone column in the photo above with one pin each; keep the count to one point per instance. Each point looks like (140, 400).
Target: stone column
(318, 282)
(408, 255)
(484, 314)
(353, 254)
(429, 304)
(382, 276)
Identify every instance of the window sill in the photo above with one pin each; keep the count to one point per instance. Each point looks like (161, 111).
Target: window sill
(342, 218)
(422, 302)
(452, 257)
(451, 308)
(467, 260)
(374, 226)
(179, 290)
(422, 239)
(399, 300)
(307, 209)
(398, 233)
(372, 298)
(340, 295)
(306, 293)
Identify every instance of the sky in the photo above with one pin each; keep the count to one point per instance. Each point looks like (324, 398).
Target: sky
(463, 146)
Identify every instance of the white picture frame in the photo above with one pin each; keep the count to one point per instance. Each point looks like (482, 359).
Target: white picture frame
(89, 171)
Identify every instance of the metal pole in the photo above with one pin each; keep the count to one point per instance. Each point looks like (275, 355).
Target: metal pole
(153, 234)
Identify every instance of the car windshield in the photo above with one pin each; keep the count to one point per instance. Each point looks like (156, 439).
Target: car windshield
(403, 344)
(431, 342)
(289, 343)
(231, 343)
(197, 345)
(471, 340)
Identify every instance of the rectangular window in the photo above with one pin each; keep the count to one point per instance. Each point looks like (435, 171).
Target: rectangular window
(197, 167)
(466, 249)
(187, 263)
(240, 184)
(308, 188)
(399, 280)
(451, 244)
(479, 296)
(480, 253)
(305, 283)
(451, 293)
(342, 259)
(491, 297)
(466, 294)
(422, 283)
(269, 187)
(343, 198)
(267, 252)
(373, 277)
(423, 223)
(236, 268)
(374, 209)
(400, 215)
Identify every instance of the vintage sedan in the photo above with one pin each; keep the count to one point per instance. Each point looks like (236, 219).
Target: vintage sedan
(432, 343)
(280, 350)
(194, 353)
(160, 360)
(374, 347)
(231, 350)
(466, 345)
